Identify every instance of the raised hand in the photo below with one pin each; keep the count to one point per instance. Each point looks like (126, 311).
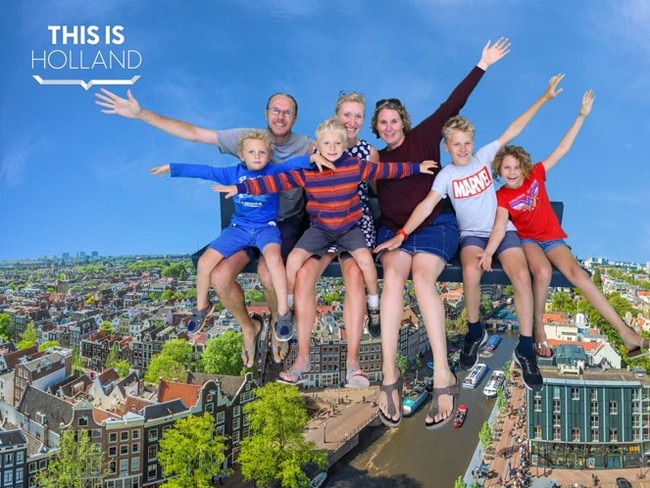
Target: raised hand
(587, 102)
(552, 90)
(229, 190)
(321, 162)
(160, 170)
(129, 108)
(493, 53)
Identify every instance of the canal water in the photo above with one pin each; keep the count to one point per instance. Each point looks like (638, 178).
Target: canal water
(413, 457)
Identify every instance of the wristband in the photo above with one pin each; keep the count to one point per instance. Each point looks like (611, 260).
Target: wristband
(402, 233)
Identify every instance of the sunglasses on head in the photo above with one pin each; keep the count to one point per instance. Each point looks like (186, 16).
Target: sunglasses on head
(394, 101)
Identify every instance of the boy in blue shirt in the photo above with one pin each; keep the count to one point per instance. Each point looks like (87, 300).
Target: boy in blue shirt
(254, 224)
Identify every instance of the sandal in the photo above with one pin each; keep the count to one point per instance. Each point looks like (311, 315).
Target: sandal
(388, 420)
(452, 390)
(543, 346)
(247, 354)
(641, 350)
(198, 320)
(356, 378)
(287, 379)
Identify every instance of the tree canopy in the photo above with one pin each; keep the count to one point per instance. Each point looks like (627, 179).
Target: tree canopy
(222, 354)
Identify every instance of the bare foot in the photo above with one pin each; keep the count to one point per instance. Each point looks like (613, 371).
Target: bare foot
(249, 344)
(280, 349)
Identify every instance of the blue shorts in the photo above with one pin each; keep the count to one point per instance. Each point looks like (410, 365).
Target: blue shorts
(236, 237)
(545, 245)
(511, 239)
(440, 238)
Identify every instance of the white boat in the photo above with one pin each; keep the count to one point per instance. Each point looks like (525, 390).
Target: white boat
(496, 380)
(475, 376)
(318, 480)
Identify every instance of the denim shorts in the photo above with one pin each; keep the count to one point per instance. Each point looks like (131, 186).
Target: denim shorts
(545, 245)
(439, 239)
(511, 239)
(236, 237)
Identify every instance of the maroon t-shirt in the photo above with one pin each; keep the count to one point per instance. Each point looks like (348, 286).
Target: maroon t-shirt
(398, 198)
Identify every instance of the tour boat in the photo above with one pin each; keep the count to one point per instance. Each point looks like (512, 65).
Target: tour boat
(492, 342)
(496, 380)
(318, 480)
(412, 400)
(461, 412)
(475, 375)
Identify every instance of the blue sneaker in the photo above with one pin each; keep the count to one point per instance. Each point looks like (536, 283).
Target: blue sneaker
(197, 322)
(284, 327)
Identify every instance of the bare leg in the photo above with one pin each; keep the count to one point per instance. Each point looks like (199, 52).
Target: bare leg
(542, 272)
(280, 349)
(305, 311)
(207, 262)
(275, 265)
(425, 270)
(364, 260)
(514, 264)
(397, 265)
(354, 310)
(471, 281)
(563, 260)
(232, 296)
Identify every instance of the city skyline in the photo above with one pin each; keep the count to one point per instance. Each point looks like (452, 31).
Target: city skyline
(72, 178)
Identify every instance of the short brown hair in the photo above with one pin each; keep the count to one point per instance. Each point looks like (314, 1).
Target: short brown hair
(391, 104)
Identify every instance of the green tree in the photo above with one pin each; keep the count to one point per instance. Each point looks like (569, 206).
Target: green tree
(5, 325)
(106, 326)
(402, 364)
(597, 279)
(561, 301)
(418, 365)
(501, 399)
(276, 450)
(165, 367)
(460, 483)
(191, 452)
(178, 349)
(77, 360)
(222, 354)
(122, 367)
(166, 295)
(485, 435)
(78, 463)
(112, 357)
(47, 344)
(254, 296)
(29, 337)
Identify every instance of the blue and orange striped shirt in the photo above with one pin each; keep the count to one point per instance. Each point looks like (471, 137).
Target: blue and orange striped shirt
(333, 203)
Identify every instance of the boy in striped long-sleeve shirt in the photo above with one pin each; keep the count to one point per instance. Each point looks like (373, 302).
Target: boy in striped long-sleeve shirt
(333, 204)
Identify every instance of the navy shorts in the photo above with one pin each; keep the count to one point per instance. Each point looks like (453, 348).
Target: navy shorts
(545, 245)
(440, 238)
(511, 239)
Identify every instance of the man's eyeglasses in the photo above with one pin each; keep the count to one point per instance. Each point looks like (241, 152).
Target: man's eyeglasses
(394, 101)
(277, 111)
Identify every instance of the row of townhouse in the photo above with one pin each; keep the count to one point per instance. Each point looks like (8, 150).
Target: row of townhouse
(125, 418)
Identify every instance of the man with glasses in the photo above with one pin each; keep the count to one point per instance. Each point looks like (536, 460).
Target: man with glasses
(281, 114)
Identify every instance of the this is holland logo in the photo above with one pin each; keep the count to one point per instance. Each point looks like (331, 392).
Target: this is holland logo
(96, 51)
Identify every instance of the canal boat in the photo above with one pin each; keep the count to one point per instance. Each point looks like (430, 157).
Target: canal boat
(319, 480)
(492, 342)
(496, 380)
(459, 418)
(475, 376)
(413, 399)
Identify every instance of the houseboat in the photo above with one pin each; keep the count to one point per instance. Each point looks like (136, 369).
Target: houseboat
(412, 400)
(496, 380)
(475, 376)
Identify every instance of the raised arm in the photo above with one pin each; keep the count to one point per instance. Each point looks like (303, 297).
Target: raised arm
(567, 140)
(493, 53)
(515, 128)
(131, 109)
(421, 212)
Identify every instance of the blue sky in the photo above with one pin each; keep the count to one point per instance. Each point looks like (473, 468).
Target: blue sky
(73, 179)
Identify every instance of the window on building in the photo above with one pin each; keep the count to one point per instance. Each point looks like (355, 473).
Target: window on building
(235, 423)
(112, 451)
(20, 458)
(613, 407)
(96, 433)
(82, 421)
(557, 420)
(135, 448)
(575, 393)
(594, 407)
(124, 435)
(124, 449)
(112, 437)
(556, 392)
(8, 477)
(135, 465)
(575, 434)
(152, 472)
(9, 459)
(209, 408)
(593, 421)
(556, 405)
(557, 434)
(152, 452)
(124, 466)
(20, 473)
(594, 434)
(112, 467)
(153, 435)
(221, 430)
(537, 404)
(236, 412)
(613, 434)
(235, 437)
(221, 418)
(538, 432)
(135, 434)
(594, 394)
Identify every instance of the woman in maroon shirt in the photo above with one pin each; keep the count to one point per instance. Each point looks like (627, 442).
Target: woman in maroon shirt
(425, 252)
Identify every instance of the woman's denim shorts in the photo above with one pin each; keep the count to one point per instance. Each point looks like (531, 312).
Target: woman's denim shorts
(440, 238)
(545, 245)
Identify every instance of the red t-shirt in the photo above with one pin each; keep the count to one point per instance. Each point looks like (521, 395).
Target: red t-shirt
(530, 208)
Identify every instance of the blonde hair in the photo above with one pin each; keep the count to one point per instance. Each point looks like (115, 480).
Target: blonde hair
(350, 97)
(458, 123)
(517, 152)
(332, 125)
(258, 134)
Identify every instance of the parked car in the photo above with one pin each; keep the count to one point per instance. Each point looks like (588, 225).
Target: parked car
(623, 483)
